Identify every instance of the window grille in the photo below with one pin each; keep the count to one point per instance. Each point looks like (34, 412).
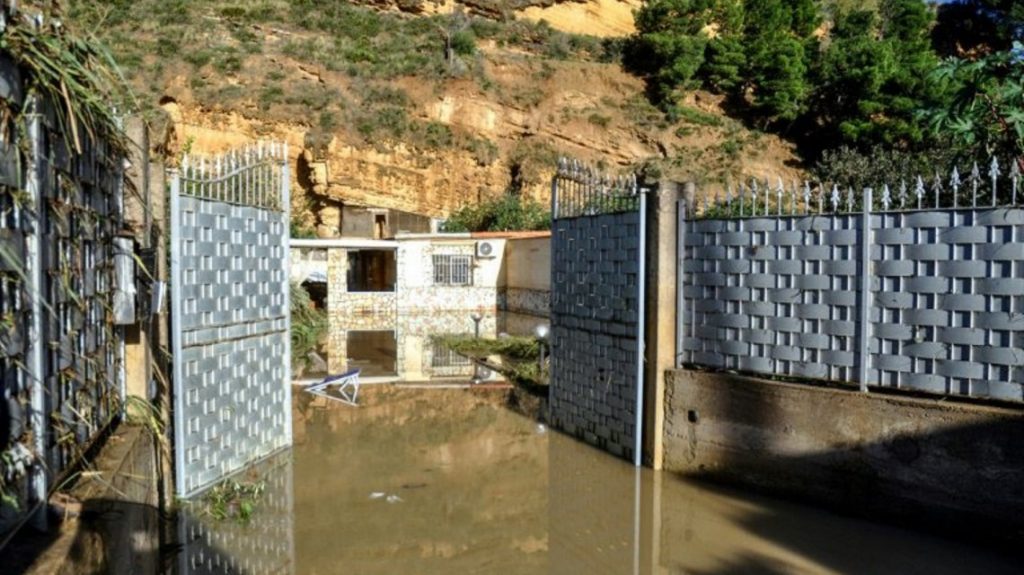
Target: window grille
(442, 357)
(453, 270)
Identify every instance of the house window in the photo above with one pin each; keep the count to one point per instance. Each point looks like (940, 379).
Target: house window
(442, 357)
(372, 271)
(453, 270)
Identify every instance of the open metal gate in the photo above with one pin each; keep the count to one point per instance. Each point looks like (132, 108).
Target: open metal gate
(61, 345)
(597, 309)
(230, 321)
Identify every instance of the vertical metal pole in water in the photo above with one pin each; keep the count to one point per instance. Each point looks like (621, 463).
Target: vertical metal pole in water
(641, 284)
(865, 293)
(177, 373)
(637, 516)
(34, 279)
(680, 275)
(551, 282)
(286, 211)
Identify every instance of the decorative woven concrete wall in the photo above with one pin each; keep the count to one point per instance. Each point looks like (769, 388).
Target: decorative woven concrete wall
(928, 300)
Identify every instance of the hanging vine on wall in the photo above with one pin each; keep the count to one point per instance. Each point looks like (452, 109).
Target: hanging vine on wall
(76, 75)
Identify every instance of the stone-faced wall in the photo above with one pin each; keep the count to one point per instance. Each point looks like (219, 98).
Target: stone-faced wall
(417, 309)
(417, 293)
(594, 324)
(348, 311)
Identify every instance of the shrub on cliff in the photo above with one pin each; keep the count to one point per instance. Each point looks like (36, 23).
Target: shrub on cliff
(510, 212)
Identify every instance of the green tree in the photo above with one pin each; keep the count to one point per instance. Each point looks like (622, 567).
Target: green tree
(777, 34)
(670, 43)
(725, 56)
(969, 27)
(873, 77)
(986, 114)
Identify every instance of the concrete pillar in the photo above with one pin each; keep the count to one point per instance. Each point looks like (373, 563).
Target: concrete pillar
(660, 313)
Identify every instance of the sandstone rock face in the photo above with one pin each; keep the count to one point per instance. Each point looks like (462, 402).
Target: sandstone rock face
(595, 17)
(507, 124)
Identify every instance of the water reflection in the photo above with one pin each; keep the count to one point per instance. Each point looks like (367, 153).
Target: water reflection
(263, 545)
(448, 481)
(402, 347)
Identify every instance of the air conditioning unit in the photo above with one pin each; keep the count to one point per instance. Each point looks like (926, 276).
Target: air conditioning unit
(486, 250)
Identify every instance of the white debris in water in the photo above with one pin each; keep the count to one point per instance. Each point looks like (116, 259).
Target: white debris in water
(541, 428)
(394, 499)
(377, 494)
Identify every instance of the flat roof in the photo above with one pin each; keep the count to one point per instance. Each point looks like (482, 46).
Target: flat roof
(511, 235)
(434, 236)
(344, 243)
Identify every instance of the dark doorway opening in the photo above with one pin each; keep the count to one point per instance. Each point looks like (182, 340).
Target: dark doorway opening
(372, 271)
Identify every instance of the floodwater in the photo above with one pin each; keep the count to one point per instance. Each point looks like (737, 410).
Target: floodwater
(450, 482)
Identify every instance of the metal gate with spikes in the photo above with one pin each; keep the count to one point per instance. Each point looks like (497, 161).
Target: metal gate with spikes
(597, 308)
(230, 321)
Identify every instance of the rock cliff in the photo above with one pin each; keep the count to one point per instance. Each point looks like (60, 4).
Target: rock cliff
(378, 112)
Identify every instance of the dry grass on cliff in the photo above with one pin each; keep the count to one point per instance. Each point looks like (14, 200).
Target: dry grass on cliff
(372, 79)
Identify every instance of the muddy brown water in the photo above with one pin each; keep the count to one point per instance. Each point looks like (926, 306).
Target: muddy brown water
(452, 482)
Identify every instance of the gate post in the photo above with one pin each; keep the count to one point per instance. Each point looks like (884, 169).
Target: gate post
(175, 257)
(38, 483)
(864, 317)
(660, 349)
(286, 209)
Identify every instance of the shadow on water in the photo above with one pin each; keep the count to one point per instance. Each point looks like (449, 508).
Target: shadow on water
(606, 517)
(449, 481)
(929, 531)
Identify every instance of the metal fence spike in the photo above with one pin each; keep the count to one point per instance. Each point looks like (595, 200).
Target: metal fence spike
(903, 194)
(919, 191)
(741, 192)
(1014, 178)
(778, 197)
(993, 174)
(849, 199)
(886, 197)
(807, 197)
(937, 188)
(835, 198)
(975, 180)
(954, 182)
(728, 198)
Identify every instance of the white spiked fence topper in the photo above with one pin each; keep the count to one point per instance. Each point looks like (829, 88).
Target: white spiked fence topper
(996, 188)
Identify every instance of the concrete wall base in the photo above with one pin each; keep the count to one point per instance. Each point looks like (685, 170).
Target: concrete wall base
(953, 468)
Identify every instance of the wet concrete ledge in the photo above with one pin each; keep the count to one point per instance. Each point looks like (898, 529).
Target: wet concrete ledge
(109, 523)
(952, 468)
